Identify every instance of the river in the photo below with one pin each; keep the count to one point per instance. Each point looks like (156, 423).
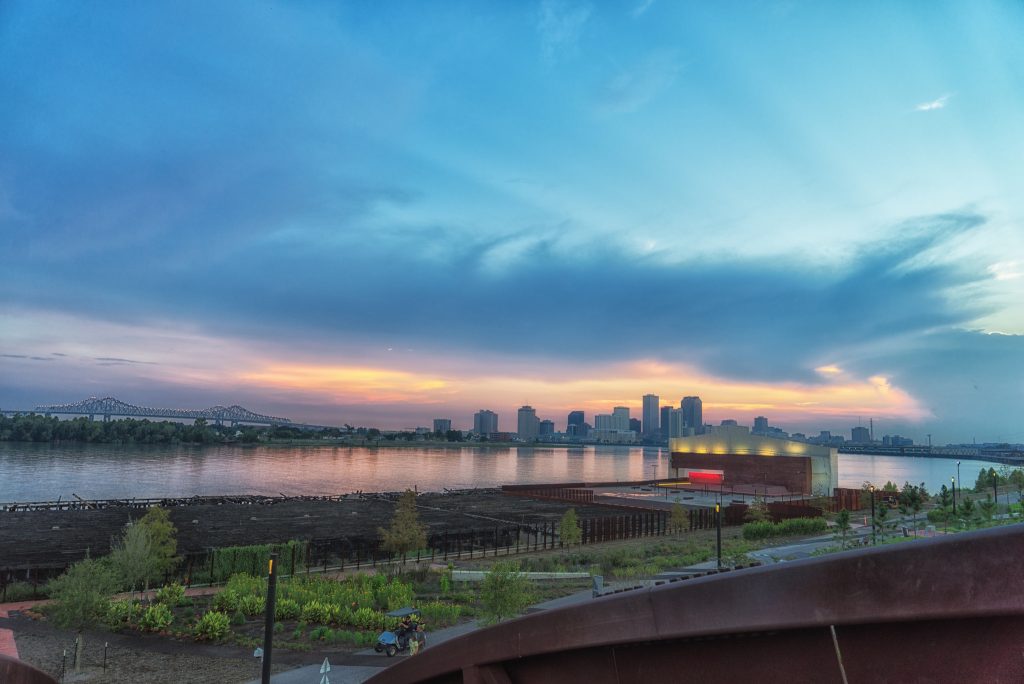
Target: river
(44, 472)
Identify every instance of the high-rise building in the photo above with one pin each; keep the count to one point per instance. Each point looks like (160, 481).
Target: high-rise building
(603, 421)
(666, 412)
(547, 427)
(677, 426)
(442, 424)
(485, 422)
(651, 425)
(693, 414)
(760, 426)
(860, 435)
(635, 426)
(576, 418)
(529, 424)
(620, 418)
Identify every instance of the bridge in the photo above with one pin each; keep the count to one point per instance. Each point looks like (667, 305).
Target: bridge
(109, 406)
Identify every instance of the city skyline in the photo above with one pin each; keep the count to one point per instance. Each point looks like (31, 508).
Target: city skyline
(382, 215)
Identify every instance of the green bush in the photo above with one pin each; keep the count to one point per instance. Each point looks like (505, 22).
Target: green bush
(156, 618)
(22, 591)
(319, 633)
(123, 613)
(319, 613)
(213, 626)
(238, 618)
(171, 594)
(368, 618)
(440, 614)
(287, 609)
(226, 601)
(793, 526)
(252, 605)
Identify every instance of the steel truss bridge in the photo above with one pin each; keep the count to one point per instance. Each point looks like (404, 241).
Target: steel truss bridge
(109, 406)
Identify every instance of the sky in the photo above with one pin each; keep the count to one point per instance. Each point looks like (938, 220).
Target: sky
(383, 213)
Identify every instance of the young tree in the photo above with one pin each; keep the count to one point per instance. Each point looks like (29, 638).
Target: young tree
(162, 537)
(910, 502)
(504, 593)
(569, 531)
(987, 508)
(757, 511)
(881, 517)
(133, 559)
(81, 596)
(967, 512)
(406, 533)
(843, 527)
(677, 519)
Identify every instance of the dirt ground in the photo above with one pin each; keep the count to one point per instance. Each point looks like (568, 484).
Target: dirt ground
(57, 538)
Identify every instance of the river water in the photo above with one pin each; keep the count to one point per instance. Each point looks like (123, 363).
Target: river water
(44, 472)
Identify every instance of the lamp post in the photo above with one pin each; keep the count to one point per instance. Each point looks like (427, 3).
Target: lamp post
(718, 526)
(952, 481)
(958, 474)
(874, 537)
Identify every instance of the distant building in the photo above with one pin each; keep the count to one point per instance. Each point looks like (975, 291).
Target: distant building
(693, 413)
(613, 436)
(529, 424)
(635, 425)
(603, 421)
(442, 425)
(620, 418)
(860, 435)
(760, 426)
(576, 418)
(677, 424)
(729, 421)
(666, 411)
(546, 427)
(485, 422)
(730, 455)
(651, 428)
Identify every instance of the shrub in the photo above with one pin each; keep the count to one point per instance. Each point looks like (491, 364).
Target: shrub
(319, 613)
(252, 605)
(793, 526)
(440, 614)
(287, 609)
(226, 601)
(156, 618)
(213, 626)
(278, 627)
(171, 595)
(238, 618)
(123, 613)
(21, 591)
(319, 633)
(368, 618)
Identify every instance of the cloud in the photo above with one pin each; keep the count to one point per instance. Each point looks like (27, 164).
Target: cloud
(939, 103)
(641, 8)
(560, 24)
(115, 361)
(629, 89)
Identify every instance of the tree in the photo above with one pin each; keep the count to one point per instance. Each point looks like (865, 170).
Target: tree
(677, 519)
(569, 531)
(890, 487)
(504, 593)
(133, 559)
(910, 502)
(757, 511)
(881, 517)
(162, 537)
(967, 512)
(81, 596)
(987, 508)
(843, 527)
(406, 533)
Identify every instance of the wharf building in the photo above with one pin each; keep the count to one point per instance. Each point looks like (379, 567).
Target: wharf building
(729, 455)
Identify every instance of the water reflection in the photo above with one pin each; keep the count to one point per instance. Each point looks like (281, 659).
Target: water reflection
(46, 471)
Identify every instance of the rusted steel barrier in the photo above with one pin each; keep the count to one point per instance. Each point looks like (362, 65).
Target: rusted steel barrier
(14, 671)
(943, 609)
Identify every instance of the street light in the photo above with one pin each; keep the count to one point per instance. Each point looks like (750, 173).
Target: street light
(958, 473)
(952, 481)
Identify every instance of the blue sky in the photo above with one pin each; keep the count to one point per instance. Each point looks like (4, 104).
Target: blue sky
(345, 212)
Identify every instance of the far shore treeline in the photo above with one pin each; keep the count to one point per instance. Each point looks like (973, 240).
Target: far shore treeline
(35, 427)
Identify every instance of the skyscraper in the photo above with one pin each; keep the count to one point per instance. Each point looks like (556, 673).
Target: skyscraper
(485, 422)
(760, 426)
(620, 418)
(860, 435)
(547, 427)
(529, 424)
(677, 424)
(651, 424)
(666, 414)
(576, 418)
(693, 414)
(634, 425)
